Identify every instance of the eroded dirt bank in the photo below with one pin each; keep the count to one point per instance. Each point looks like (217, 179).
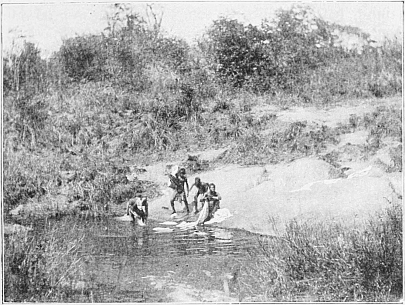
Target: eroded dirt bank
(263, 199)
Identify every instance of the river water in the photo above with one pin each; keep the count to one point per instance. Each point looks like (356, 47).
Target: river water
(124, 262)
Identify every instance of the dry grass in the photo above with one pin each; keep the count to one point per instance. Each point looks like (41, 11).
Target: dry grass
(328, 262)
(45, 266)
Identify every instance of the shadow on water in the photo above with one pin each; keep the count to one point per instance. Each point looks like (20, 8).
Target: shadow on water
(128, 263)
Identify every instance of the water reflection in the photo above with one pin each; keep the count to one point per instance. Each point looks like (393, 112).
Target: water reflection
(106, 238)
(119, 256)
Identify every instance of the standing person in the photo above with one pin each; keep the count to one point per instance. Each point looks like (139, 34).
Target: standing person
(212, 198)
(202, 188)
(137, 208)
(178, 182)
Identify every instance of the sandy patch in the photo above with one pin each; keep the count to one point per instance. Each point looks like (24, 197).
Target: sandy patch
(356, 138)
(330, 117)
(183, 293)
(208, 155)
(9, 229)
(263, 199)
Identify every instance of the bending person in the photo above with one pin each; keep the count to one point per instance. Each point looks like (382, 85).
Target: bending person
(137, 208)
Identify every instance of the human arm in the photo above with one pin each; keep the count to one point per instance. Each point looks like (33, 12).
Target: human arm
(145, 206)
(217, 197)
(192, 186)
(130, 203)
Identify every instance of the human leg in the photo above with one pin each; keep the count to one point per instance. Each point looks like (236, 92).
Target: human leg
(210, 209)
(215, 207)
(195, 203)
(184, 198)
(172, 199)
(146, 209)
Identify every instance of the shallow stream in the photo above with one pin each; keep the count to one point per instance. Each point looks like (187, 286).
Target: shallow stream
(124, 262)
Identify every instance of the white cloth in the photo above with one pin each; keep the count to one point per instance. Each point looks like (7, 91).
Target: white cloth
(203, 214)
(175, 170)
(219, 216)
(162, 230)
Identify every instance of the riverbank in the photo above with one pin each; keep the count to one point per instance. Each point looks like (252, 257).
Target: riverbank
(344, 182)
(325, 202)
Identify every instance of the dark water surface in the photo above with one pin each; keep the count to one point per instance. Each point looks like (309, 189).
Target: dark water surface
(128, 263)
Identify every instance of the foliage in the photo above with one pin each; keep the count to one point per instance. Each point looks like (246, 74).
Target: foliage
(319, 262)
(43, 267)
(27, 176)
(25, 71)
(270, 57)
(82, 58)
(123, 53)
(300, 53)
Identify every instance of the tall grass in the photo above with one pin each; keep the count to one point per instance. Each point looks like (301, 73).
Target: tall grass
(44, 266)
(329, 262)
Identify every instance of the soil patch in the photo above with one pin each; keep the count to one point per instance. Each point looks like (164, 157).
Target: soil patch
(264, 199)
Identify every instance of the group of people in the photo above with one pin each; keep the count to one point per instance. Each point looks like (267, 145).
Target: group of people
(206, 193)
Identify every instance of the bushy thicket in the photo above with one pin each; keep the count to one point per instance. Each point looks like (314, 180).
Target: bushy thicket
(300, 53)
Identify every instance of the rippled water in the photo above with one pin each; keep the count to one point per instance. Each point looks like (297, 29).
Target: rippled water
(128, 261)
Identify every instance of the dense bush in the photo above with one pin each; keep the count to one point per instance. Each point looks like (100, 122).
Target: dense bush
(302, 54)
(273, 56)
(82, 58)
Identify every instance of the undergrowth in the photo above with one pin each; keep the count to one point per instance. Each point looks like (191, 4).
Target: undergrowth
(326, 262)
(45, 266)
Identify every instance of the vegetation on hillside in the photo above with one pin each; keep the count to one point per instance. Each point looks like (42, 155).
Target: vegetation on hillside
(73, 124)
(133, 90)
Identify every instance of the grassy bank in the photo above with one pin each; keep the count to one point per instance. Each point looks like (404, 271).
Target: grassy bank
(324, 262)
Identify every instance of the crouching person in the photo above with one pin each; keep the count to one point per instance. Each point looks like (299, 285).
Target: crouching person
(137, 208)
(212, 198)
